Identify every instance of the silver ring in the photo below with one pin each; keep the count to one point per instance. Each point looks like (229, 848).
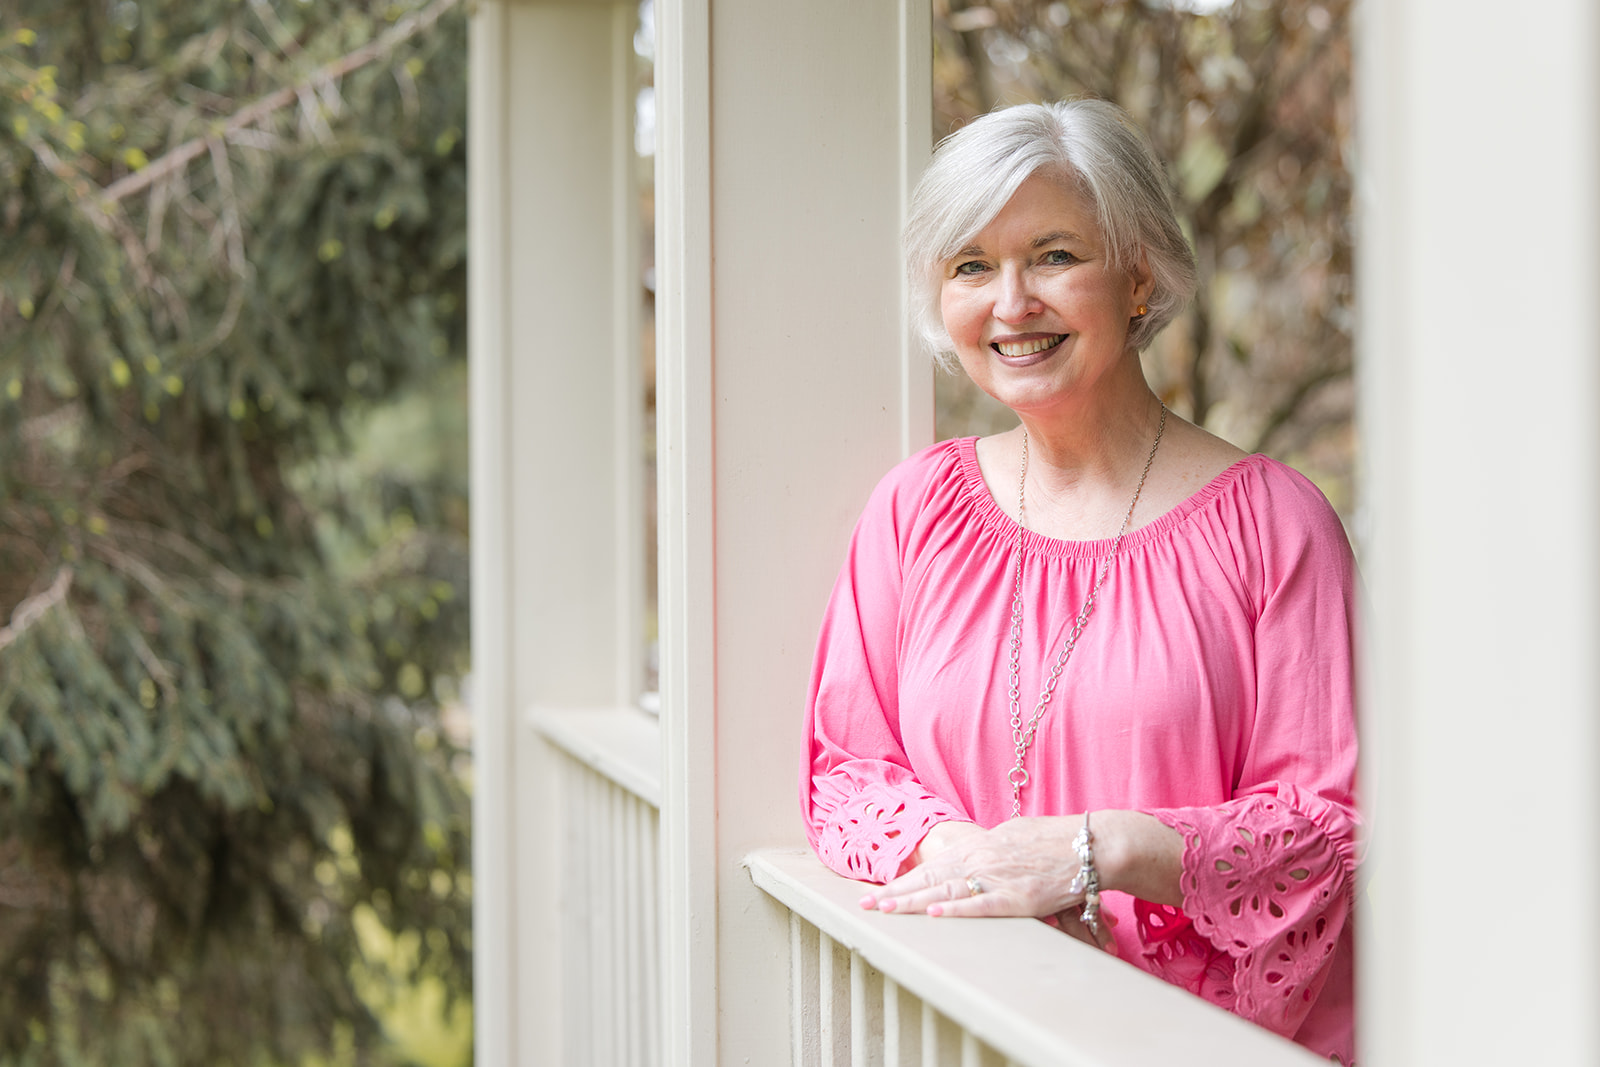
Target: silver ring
(974, 887)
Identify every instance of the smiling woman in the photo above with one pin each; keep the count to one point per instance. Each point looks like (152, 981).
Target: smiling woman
(1035, 307)
(1183, 612)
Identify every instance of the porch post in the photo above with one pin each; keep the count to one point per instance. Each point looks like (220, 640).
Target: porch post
(786, 386)
(1480, 373)
(557, 557)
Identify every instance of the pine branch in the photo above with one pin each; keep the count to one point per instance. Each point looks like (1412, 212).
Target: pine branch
(32, 609)
(186, 153)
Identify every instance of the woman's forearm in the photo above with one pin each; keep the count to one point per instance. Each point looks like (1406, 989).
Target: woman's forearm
(1135, 853)
(1139, 855)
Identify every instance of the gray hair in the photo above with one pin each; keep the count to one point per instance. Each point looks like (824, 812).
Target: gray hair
(975, 171)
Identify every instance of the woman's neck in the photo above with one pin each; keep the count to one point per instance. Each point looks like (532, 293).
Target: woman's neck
(1097, 444)
(1081, 468)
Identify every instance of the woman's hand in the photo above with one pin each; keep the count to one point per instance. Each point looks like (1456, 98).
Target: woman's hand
(1025, 867)
(1021, 867)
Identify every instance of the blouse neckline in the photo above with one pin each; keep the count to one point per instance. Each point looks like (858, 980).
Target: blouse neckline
(984, 505)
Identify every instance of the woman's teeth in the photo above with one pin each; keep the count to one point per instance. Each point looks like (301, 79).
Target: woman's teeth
(1028, 348)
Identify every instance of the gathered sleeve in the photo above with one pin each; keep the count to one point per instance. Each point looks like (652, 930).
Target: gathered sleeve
(1269, 876)
(864, 810)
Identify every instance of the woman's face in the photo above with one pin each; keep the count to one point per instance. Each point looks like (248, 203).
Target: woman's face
(1038, 315)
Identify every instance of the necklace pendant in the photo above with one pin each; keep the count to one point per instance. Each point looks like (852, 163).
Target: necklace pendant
(1022, 736)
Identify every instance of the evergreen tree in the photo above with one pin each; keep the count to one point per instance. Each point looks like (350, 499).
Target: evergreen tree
(229, 231)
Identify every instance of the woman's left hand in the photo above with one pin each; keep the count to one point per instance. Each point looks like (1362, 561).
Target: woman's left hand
(1024, 867)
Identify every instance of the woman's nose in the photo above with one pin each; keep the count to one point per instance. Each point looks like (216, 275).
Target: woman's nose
(1014, 299)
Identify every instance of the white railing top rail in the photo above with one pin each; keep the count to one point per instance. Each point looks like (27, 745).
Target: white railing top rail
(620, 744)
(1031, 993)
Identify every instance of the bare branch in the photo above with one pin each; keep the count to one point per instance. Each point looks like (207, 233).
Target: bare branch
(144, 574)
(152, 663)
(232, 227)
(280, 33)
(1286, 411)
(33, 609)
(186, 153)
(311, 116)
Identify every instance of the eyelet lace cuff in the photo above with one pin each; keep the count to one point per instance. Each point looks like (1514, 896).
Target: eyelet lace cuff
(1269, 888)
(866, 832)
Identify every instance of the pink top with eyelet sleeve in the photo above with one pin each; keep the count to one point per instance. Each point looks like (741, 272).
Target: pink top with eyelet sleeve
(1213, 688)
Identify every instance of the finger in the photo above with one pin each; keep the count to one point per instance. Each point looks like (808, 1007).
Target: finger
(923, 900)
(984, 905)
(890, 897)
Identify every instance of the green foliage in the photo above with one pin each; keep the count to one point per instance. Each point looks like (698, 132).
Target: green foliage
(219, 723)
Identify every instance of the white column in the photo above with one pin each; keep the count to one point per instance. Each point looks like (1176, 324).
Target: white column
(785, 390)
(557, 560)
(1481, 371)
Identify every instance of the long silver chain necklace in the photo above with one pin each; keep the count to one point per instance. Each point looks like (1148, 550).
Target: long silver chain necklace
(1022, 734)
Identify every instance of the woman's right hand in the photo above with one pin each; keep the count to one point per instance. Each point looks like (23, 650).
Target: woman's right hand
(942, 836)
(1023, 867)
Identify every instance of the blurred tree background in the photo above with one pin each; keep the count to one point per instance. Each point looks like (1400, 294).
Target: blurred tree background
(1250, 104)
(233, 822)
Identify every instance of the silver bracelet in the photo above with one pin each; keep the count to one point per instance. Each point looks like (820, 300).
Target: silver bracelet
(1087, 880)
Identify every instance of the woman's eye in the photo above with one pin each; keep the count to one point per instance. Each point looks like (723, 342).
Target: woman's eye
(1059, 257)
(969, 268)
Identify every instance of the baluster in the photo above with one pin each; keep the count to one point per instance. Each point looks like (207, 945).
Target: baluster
(652, 937)
(866, 1014)
(805, 1005)
(632, 932)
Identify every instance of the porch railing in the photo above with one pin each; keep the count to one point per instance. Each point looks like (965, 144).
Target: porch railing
(901, 990)
(610, 870)
(865, 990)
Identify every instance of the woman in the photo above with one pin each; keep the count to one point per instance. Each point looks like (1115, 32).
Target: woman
(1104, 652)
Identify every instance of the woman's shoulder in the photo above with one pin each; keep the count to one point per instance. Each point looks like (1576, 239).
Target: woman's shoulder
(1275, 494)
(1206, 469)
(940, 463)
(933, 484)
(1275, 521)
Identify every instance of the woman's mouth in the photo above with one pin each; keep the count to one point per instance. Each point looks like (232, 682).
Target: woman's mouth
(1021, 349)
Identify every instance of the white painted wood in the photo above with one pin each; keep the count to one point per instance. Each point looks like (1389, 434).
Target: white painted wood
(802, 994)
(830, 1021)
(1479, 375)
(625, 387)
(780, 403)
(608, 923)
(650, 914)
(915, 53)
(860, 1036)
(496, 983)
(622, 745)
(603, 924)
(556, 516)
(686, 529)
(633, 977)
(893, 1045)
(570, 442)
(868, 1028)
(574, 959)
(1078, 1007)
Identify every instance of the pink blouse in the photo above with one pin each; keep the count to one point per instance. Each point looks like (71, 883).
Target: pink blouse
(1213, 688)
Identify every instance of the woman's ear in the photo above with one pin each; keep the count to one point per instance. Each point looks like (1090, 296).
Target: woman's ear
(1143, 281)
